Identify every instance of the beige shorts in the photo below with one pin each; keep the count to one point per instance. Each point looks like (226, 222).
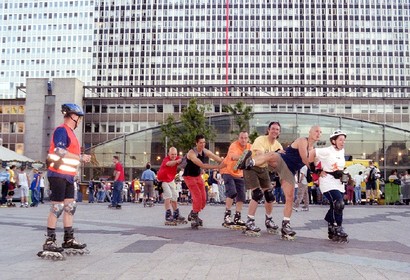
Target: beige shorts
(283, 170)
(170, 190)
(257, 177)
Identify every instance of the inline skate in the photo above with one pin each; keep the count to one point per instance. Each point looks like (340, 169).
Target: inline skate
(169, 219)
(227, 219)
(251, 229)
(178, 218)
(72, 246)
(243, 162)
(50, 250)
(271, 227)
(287, 232)
(338, 235)
(190, 217)
(195, 221)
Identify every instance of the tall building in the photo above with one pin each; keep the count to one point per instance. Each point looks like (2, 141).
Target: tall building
(142, 60)
(44, 39)
(164, 42)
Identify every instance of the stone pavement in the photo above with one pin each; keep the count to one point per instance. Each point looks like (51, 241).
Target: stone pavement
(134, 243)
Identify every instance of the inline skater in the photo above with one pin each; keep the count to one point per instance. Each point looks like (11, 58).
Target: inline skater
(64, 157)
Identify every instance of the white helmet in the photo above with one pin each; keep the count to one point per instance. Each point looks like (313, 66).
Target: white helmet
(336, 134)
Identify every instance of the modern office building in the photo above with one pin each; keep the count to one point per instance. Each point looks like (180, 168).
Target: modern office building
(165, 42)
(141, 61)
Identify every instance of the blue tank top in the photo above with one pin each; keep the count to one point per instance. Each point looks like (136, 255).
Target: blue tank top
(292, 159)
(191, 169)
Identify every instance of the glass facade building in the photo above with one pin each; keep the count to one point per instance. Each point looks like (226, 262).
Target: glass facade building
(388, 146)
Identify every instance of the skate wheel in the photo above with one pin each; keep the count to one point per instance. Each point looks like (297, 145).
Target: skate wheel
(288, 237)
(272, 231)
(252, 234)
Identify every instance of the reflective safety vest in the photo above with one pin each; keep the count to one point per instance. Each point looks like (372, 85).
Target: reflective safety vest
(64, 165)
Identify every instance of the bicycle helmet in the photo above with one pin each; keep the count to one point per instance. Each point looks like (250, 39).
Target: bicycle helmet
(336, 134)
(71, 108)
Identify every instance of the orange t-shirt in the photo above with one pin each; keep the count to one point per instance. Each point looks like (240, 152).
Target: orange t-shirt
(235, 149)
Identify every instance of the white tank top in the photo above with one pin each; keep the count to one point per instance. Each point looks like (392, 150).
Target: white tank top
(23, 179)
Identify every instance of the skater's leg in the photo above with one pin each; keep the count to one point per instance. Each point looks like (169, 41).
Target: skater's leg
(257, 195)
(69, 210)
(334, 216)
(305, 198)
(269, 223)
(197, 190)
(167, 195)
(269, 199)
(288, 190)
(230, 190)
(174, 204)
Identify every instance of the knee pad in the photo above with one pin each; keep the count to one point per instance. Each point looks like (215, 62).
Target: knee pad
(231, 193)
(339, 205)
(232, 196)
(70, 208)
(257, 194)
(57, 209)
(269, 197)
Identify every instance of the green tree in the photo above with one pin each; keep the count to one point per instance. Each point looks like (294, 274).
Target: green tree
(192, 122)
(242, 114)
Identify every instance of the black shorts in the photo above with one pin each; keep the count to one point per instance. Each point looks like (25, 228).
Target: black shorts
(60, 189)
(371, 185)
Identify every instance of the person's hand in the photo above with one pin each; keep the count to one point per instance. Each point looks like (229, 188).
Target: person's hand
(221, 165)
(86, 158)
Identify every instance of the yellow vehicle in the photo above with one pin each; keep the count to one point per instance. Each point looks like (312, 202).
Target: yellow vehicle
(356, 165)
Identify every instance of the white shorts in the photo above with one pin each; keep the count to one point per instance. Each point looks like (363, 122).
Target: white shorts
(170, 191)
(215, 188)
(24, 191)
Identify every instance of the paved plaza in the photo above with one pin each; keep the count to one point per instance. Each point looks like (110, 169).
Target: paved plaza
(134, 243)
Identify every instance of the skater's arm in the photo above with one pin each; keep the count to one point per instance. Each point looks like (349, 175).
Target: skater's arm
(211, 155)
(193, 157)
(173, 162)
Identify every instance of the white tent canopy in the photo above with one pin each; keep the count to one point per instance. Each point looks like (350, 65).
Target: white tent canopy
(9, 155)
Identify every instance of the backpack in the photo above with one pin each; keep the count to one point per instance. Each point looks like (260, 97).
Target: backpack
(372, 175)
(184, 160)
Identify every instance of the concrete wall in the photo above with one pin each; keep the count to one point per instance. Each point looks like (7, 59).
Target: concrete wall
(43, 112)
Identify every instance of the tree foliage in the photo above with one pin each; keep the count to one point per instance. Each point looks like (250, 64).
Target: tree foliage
(192, 122)
(242, 114)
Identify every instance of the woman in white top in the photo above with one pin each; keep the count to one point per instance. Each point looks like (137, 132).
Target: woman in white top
(332, 159)
(22, 183)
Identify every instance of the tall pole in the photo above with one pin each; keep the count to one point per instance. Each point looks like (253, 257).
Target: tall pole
(227, 49)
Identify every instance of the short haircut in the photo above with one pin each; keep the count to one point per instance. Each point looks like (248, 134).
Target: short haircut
(199, 137)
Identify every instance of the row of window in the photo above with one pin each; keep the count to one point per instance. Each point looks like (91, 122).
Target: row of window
(12, 127)
(122, 127)
(45, 4)
(257, 108)
(12, 109)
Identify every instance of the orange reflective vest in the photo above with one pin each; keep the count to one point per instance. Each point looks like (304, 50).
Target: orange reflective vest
(64, 165)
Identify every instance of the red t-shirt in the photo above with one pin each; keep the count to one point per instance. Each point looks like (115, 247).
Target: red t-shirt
(167, 173)
(119, 168)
